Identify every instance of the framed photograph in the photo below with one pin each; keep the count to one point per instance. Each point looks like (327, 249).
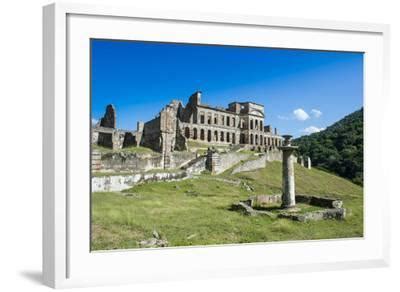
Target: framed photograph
(184, 145)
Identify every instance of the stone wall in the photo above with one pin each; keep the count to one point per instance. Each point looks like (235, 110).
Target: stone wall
(196, 166)
(273, 155)
(251, 165)
(96, 160)
(116, 183)
(151, 135)
(136, 162)
(180, 159)
(228, 160)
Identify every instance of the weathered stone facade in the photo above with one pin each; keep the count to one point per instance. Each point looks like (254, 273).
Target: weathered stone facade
(240, 124)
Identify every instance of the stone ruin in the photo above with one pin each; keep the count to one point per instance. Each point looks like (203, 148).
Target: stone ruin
(304, 161)
(213, 160)
(239, 124)
(105, 133)
(109, 119)
(286, 202)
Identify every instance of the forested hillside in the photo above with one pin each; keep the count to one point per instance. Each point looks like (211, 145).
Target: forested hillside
(339, 148)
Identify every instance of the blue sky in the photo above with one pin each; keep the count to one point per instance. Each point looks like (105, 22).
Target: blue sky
(303, 91)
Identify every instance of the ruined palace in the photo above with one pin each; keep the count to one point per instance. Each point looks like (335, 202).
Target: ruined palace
(176, 125)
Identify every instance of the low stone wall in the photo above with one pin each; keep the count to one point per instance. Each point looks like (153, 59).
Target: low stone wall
(273, 155)
(196, 166)
(141, 162)
(117, 183)
(264, 200)
(227, 160)
(319, 201)
(335, 213)
(125, 161)
(251, 165)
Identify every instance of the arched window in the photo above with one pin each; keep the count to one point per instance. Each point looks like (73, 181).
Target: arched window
(194, 134)
(187, 132)
(202, 118)
(261, 139)
(256, 124)
(256, 138)
(233, 122)
(222, 137)
(215, 135)
(251, 139)
(242, 139)
(209, 119)
(216, 119)
(261, 126)
(228, 137)
(251, 125)
(233, 138)
(209, 135)
(228, 121)
(202, 134)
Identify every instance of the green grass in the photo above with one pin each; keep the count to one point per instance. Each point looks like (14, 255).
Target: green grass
(196, 211)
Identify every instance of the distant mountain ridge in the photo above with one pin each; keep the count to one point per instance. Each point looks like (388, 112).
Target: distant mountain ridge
(338, 148)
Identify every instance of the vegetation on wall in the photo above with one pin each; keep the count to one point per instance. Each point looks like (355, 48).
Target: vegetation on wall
(339, 148)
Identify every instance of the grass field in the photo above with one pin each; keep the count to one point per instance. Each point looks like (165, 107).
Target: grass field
(196, 211)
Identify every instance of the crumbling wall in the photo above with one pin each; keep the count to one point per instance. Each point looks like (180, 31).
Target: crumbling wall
(109, 118)
(251, 164)
(151, 137)
(273, 155)
(139, 162)
(218, 163)
(129, 140)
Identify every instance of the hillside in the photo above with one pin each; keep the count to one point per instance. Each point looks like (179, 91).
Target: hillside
(339, 148)
(197, 211)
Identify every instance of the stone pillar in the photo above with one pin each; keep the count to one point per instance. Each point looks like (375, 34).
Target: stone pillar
(213, 161)
(288, 185)
(308, 162)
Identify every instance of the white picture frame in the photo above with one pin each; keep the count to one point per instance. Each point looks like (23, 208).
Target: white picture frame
(67, 260)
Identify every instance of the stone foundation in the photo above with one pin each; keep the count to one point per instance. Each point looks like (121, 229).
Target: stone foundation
(255, 204)
(319, 201)
(334, 213)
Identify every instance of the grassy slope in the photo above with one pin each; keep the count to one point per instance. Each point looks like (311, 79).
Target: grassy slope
(196, 211)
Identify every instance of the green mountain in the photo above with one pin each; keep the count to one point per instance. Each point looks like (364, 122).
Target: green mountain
(339, 148)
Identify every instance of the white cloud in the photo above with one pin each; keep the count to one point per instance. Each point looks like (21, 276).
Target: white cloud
(312, 129)
(94, 121)
(316, 113)
(300, 114)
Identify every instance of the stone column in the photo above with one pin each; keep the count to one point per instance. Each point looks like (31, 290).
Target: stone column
(288, 185)
(308, 162)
